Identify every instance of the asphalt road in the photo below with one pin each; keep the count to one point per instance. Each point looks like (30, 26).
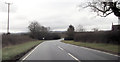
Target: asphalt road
(56, 50)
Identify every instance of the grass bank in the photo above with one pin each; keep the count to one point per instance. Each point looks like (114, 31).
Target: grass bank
(100, 46)
(11, 52)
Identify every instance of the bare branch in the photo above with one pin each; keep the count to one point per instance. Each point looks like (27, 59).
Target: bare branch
(105, 15)
(104, 8)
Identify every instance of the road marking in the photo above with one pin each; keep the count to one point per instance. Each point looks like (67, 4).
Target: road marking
(100, 51)
(69, 54)
(73, 57)
(30, 53)
(60, 48)
(96, 50)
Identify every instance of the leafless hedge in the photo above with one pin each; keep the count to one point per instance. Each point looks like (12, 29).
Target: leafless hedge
(98, 37)
(14, 39)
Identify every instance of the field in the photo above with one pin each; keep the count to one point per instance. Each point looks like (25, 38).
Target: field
(100, 46)
(10, 52)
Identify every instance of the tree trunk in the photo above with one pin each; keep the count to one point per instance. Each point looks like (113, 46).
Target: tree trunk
(118, 20)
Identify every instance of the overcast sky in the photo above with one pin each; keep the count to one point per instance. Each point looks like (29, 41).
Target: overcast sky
(56, 14)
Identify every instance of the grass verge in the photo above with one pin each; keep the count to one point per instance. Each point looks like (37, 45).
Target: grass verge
(10, 52)
(99, 46)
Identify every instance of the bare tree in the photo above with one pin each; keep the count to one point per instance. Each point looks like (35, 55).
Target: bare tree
(34, 26)
(105, 7)
(80, 28)
(37, 31)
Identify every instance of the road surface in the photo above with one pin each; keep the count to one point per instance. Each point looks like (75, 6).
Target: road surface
(56, 50)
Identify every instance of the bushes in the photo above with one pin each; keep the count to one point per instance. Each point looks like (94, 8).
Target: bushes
(99, 37)
(69, 38)
(114, 37)
(52, 36)
(13, 39)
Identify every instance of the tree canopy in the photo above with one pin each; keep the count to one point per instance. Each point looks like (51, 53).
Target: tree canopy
(105, 7)
(37, 31)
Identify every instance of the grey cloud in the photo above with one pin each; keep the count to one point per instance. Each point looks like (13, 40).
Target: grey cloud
(57, 14)
(21, 17)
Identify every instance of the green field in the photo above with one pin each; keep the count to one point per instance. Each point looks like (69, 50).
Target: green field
(11, 51)
(101, 46)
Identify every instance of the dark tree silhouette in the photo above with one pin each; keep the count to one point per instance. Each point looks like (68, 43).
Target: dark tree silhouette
(70, 29)
(37, 31)
(106, 7)
(70, 33)
(42, 33)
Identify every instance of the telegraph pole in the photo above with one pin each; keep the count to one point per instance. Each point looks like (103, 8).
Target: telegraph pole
(8, 17)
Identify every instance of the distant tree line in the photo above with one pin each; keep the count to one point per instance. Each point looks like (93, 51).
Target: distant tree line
(42, 33)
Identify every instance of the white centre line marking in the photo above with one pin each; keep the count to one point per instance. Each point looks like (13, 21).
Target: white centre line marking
(73, 57)
(60, 48)
(69, 54)
(30, 53)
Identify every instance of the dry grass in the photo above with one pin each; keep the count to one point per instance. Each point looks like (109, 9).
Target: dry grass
(101, 46)
(10, 52)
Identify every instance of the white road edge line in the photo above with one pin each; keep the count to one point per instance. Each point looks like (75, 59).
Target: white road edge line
(30, 53)
(73, 57)
(96, 50)
(60, 48)
(100, 51)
